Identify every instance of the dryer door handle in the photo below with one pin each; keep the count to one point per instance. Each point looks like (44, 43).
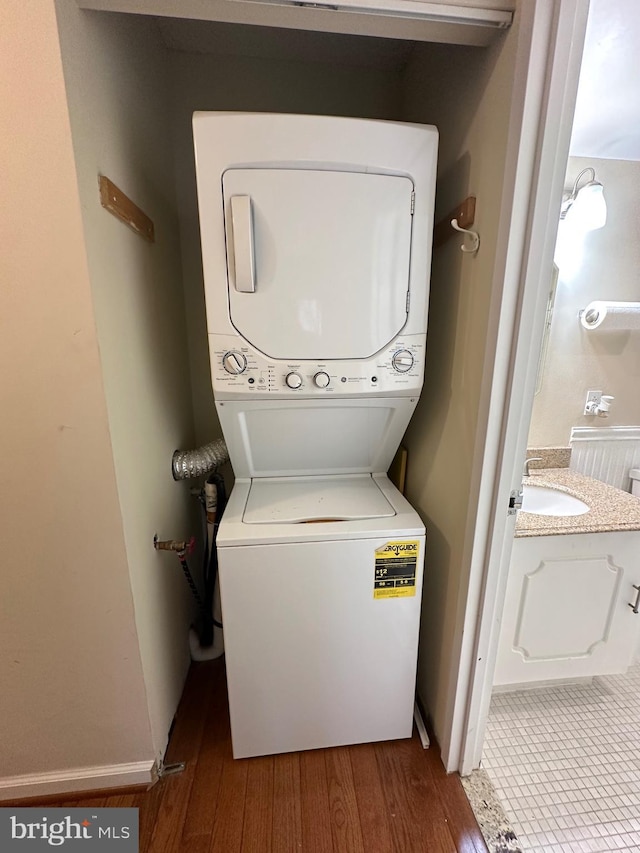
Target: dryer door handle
(242, 240)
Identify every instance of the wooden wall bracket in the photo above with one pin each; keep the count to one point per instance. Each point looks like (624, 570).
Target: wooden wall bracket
(120, 205)
(464, 213)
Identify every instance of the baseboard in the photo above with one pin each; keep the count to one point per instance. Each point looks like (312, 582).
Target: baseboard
(420, 726)
(76, 780)
(584, 680)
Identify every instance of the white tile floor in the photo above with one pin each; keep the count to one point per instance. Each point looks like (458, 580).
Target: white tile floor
(565, 762)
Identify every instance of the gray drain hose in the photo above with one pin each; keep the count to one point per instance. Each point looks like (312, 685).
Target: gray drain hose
(203, 460)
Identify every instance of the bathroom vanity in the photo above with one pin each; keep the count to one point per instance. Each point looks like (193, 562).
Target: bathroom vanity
(572, 579)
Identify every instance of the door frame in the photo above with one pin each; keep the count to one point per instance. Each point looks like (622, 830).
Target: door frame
(540, 154)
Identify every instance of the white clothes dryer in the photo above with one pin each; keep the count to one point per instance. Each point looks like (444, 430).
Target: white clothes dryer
(316, 240)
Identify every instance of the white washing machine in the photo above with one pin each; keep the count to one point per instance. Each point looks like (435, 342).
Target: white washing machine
(316, 243)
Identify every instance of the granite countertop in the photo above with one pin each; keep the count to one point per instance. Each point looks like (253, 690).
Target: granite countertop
(610, 508)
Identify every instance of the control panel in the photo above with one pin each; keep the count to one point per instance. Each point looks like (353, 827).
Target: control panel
(239, 369)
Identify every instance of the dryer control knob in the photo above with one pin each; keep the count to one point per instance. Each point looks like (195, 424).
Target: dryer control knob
(402, 361)
(293, 380)
(234, 362)
(322, 379)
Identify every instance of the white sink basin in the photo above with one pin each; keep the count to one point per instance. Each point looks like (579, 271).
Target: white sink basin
(542, 500)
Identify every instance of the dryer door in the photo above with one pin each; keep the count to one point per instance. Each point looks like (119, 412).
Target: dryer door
(318, 261)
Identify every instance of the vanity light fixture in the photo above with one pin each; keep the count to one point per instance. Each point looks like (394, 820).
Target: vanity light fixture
(585, 207)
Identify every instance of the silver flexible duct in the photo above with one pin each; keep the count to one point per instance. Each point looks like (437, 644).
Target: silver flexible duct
(203, 460)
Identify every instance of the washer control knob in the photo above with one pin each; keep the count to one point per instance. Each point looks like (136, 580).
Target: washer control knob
(234, 362)
(293, 380)
(322, 379)
(402, 361)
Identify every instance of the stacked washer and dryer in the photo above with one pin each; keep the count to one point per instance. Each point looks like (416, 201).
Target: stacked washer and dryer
(316, 243)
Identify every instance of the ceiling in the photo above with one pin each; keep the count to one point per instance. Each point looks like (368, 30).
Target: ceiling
(607, 118)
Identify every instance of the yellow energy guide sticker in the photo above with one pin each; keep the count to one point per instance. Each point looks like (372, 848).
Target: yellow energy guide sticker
(395, 569)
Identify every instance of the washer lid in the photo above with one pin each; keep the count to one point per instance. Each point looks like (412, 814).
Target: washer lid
(294, 500)
(301, 438)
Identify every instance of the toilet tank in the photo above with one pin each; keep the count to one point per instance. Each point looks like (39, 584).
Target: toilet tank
(634, 473)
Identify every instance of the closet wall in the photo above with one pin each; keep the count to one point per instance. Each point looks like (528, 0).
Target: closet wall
(117, 85)
(469, 99)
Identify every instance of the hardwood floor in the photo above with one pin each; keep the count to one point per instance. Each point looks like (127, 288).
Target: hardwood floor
(391, 797)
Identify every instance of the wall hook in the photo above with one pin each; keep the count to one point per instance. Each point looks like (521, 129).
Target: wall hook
(474, 243)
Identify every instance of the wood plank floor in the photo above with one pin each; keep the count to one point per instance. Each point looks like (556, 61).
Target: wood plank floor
(391, 797)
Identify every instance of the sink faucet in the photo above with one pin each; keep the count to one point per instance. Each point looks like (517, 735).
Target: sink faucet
(527, 462)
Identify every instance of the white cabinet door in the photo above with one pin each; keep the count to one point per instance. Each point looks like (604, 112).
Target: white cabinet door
(318, 261)
(567, 611)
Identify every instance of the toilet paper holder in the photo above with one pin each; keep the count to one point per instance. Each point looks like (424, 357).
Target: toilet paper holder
(610, 316)
(590, 314)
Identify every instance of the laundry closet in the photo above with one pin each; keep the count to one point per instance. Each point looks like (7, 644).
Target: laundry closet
(133, 82)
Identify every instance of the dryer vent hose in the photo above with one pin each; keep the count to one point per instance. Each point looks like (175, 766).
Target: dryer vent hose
(197, 463)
